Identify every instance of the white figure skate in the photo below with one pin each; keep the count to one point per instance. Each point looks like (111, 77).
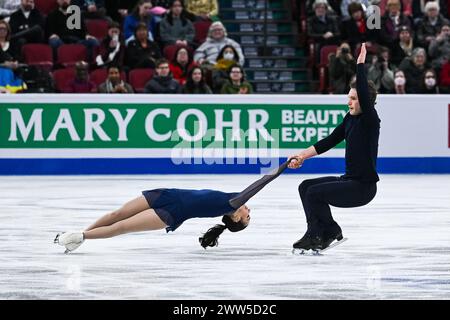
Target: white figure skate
(70, 240)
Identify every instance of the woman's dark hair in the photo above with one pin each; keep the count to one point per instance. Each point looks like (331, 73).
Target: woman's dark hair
(140, 25)
(236, 54)
(183, 15)
(175, 56)
(240, 68)
(190, 84)
(135, 11)
(355, 6)
(211, 237)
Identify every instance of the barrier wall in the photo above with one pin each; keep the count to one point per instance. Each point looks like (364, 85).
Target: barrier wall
(156, 134)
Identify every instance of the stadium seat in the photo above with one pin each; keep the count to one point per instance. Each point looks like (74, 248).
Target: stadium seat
(69, 54)
(323, 65)
(201, 31)
(37, 54)
(45, 6)
(62, 77)
(97, 28)
(138, 78)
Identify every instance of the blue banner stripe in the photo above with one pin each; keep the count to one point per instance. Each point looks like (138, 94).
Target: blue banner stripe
(166, 166)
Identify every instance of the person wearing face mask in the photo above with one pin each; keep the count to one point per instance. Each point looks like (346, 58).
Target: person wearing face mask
(81, 83)
(341, 69)
(400, 82)
(227, 57)
(217, 38)
(414, 69)
(27, 24)
(430, 83)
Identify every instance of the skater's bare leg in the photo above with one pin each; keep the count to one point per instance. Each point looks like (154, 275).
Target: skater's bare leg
(144, 221)
(128, 210)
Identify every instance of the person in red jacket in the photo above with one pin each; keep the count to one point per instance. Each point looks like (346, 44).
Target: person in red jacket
(181, 64)
(445, 77)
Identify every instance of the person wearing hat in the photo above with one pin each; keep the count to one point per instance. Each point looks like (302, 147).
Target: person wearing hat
(403, 46)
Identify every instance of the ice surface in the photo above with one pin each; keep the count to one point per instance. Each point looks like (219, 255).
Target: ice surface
(398, 247)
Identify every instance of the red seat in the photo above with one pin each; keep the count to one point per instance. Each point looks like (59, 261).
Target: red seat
(201, 31)
(38, 54)
(371, 49)
(45, 6)
(138, 78)
(69, 54)
(170, 50)
(62, 77)
(99, 76)
(97, 28)
(323, 65)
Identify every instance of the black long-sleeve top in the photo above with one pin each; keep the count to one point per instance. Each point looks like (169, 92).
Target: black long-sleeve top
(361, 133)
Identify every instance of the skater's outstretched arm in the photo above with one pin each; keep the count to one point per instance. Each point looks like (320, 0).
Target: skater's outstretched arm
(256, 186)
(320, 147)
(362, 87)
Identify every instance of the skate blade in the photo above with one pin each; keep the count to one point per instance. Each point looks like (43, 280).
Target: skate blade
(57, 238)
(303, 252)
(333, 244)
(67, 251)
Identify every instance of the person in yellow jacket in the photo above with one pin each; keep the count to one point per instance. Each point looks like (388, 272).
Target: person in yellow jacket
(203, 9)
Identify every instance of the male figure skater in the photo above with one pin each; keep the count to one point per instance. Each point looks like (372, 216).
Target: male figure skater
(357, 187)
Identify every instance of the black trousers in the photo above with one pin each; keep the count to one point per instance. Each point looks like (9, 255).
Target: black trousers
(318, 194)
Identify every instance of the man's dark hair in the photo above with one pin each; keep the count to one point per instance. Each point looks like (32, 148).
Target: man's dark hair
(114, 66)
(372, 91)
(160, 62)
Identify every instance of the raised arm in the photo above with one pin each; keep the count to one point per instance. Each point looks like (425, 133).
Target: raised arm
(362, 88)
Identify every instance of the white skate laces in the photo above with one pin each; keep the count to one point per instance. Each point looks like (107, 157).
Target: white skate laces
(70, 240)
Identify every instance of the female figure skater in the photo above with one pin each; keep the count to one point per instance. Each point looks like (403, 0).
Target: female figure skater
(169, 208)
(357, 187)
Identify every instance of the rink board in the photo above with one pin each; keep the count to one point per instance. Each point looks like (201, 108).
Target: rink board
(151, 134)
